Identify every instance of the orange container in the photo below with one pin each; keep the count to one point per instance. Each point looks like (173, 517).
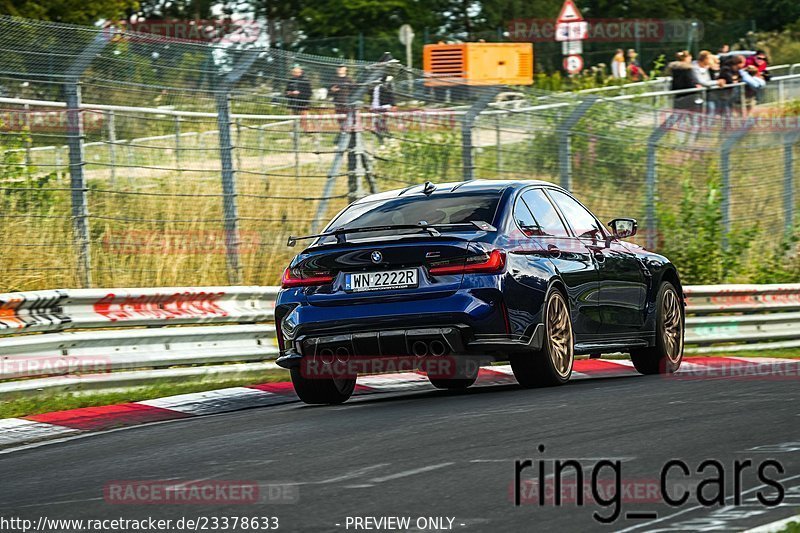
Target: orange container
(478, 64)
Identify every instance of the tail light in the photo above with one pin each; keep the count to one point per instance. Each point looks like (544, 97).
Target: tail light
(493, 261)
(304, 278)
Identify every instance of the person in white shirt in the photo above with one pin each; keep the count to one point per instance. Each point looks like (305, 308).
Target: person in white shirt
(618, 70)
(703, 77)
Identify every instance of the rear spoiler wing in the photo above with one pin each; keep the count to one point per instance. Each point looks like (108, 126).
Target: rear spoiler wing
(433, 229)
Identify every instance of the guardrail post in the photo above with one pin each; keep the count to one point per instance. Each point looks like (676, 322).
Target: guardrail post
(788, 182)
(725, 167)
(238, 144)
(564, 132)
(80, 210)
(112, 146)
(28, 143)
(651, 179)
(487, 96)
(229, 195)
(229, 204)
(78, 187)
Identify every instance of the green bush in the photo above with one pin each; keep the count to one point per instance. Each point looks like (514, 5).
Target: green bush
(692, 237)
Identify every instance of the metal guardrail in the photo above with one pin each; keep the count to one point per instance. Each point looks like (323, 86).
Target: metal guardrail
(135, 337)
(61, 309)
(725, 318)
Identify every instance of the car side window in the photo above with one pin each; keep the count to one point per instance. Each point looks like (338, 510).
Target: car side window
(523, 217)
(580, 219)
(544, 213)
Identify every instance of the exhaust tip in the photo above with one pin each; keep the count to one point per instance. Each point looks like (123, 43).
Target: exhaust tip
(326, 355)
(342, 354)
(438, 348)
(420, 349)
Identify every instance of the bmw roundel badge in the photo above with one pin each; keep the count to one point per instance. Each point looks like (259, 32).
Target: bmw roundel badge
(376, 256)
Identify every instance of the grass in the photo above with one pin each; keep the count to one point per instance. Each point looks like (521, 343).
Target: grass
(62, 401)
(791, 527)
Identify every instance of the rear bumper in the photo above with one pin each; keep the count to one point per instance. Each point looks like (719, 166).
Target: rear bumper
(465, 322)
(457, 340)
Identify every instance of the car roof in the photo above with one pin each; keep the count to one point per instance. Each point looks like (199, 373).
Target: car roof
(458, 186)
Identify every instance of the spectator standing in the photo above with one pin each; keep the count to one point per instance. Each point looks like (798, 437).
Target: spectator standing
(382, 101)
(341, 89)
(635, 70)
(754, 84)
(713, 71)
(760, 62)
(703, 76)
(713, 66)
(618, 70)
(682, 79)
(730, 72)
(298, 91)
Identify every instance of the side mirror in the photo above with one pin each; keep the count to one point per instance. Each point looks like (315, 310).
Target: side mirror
(622, 228)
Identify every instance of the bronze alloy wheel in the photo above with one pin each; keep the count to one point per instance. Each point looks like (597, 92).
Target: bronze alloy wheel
(665, 356)
(559, 335)
(672, 328)
(552, 364)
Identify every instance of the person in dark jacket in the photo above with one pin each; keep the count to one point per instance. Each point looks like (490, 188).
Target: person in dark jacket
(683, 78)
(340, 90)
(298, 91)
(730, 95)
(382, 101)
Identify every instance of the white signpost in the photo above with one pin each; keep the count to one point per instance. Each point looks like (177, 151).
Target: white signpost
(571, 30)
(406, 36)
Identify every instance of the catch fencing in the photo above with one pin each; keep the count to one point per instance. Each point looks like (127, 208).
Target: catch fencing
(135, 337)
(132, 160)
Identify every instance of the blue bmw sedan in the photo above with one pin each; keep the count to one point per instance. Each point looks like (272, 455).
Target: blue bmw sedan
(469, 273)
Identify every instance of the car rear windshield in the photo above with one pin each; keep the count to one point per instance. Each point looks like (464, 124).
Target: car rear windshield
(449, 208)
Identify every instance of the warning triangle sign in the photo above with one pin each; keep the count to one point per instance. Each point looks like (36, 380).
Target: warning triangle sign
(569, 12)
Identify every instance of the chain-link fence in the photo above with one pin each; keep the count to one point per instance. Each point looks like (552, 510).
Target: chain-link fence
(131, 160)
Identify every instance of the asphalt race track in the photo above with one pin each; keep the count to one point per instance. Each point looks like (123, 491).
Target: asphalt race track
(444, 454)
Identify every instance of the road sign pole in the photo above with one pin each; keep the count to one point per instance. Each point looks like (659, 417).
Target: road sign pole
(571, 30)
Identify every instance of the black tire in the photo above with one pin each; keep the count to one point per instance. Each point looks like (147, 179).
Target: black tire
(452, 384)
(666, 356)
(465, 374)
(322, 390)
(539, 369)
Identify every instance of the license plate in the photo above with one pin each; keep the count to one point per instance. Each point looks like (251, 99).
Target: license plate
(377, 281)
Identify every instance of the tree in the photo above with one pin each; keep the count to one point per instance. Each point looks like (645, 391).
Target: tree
(337, 18)
(70, 11)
